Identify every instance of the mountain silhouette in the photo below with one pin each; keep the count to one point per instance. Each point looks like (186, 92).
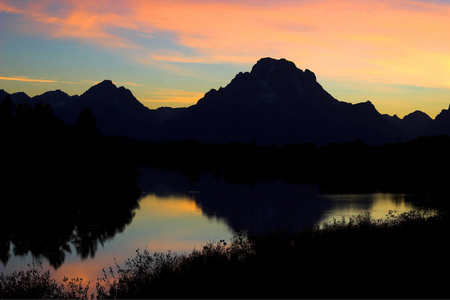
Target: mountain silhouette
(412, 125)
(62, 104)
(17, 98)
(440, 125)
(117, 111)
(55, 99)
(275, 103)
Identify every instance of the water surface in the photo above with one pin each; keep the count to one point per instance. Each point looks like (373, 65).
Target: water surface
(180, 213)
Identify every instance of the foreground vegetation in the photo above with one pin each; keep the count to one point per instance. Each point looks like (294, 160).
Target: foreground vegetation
(404, 255)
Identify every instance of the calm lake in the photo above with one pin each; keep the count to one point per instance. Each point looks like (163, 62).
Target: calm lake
(179, 214)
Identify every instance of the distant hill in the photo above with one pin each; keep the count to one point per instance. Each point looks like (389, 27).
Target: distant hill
(275, 103)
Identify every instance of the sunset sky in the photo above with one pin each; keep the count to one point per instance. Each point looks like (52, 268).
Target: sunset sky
(169, 53)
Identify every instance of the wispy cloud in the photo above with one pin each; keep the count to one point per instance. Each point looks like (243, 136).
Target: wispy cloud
(88, 21)
(91, 81)
(130, 83)
(7, 8)
(27, 79)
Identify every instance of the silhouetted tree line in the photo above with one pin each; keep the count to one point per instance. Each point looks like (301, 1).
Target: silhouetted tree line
(61, 184)
(416, 166)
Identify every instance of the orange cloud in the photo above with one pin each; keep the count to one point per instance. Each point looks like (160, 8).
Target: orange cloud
(27, 79)
(7, 8)
(85, 20)
(130, 83)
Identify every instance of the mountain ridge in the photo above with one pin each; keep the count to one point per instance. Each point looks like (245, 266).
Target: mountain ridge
(275, 103)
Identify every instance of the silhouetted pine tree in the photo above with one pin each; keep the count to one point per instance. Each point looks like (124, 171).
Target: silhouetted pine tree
(6, 111)
(86, 123)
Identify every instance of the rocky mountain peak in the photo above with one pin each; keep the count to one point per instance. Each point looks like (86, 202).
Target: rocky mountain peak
(268, 68)
(106, 83)
(265, 67)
